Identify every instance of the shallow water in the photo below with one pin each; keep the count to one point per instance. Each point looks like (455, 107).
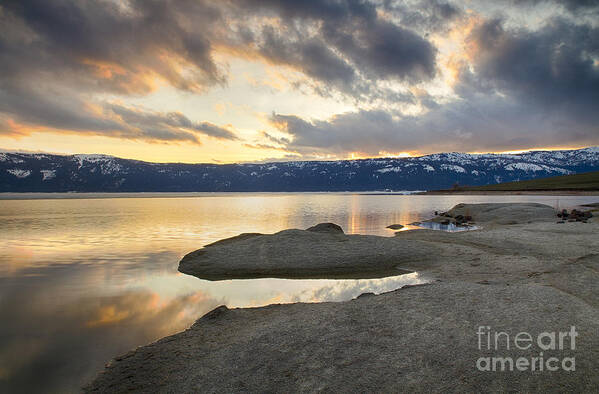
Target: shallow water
(451, 228)
(86, 277)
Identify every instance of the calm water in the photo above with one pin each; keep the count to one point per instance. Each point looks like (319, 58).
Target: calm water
(86, 277)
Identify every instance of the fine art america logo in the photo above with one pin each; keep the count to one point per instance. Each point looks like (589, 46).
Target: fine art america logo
(501, 342)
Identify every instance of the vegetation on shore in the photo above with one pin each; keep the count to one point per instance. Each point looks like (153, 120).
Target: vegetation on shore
(588, 181)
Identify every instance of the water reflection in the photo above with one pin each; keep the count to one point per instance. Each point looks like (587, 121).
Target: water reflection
(60, 328)
(451, 227)
(340, 290)
(82, 280)
(54, 345)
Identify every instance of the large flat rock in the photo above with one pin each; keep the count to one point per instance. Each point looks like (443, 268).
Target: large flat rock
(324, 251)
(505, 213)
(306, 254)
(417, 339)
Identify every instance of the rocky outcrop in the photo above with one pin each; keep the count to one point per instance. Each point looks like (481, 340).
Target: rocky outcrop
(422, 338)
(306, 254)
(324, 251)
(575, 215)
(495, 213)
(530, 276)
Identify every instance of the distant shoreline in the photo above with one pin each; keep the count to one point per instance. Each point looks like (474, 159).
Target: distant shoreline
(5, 196)
(511, 192)
(100, 195)
(583, 184)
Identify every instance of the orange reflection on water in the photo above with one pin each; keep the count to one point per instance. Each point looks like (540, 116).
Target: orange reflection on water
(367, 217)
(135, 308)
(108, 315)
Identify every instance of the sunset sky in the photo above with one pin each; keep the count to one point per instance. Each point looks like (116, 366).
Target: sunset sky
(252, 80)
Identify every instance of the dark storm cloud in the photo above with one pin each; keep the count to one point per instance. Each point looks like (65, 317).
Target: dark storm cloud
(81, 36)
(390, 52)
(522, 89)
(312, 57)
(321, 10)
(572, 5)
(124, 40)
(356, 36)
(554, 67)
(426, 15)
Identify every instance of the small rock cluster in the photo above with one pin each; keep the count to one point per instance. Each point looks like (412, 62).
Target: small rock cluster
(459, 220)
(574, 216)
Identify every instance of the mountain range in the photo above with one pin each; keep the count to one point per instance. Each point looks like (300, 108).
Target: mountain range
(24, 172)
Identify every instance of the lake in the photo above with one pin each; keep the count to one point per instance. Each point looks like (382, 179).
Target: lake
(85, 277)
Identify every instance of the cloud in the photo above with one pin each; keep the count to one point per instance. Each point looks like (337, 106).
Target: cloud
(554, 67)
(56, 57)
(107, 43)
(344, 44)
(390, 51)
(572, 5)
(122, 46)
(51, 107)
(487, 123)
(424, 15)
(215, 131)
(69, 114)
(519, 88)
(517, 83)
(311, 56)
(165, 126)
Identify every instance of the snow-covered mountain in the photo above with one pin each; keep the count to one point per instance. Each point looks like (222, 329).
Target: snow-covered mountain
(21, 172)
